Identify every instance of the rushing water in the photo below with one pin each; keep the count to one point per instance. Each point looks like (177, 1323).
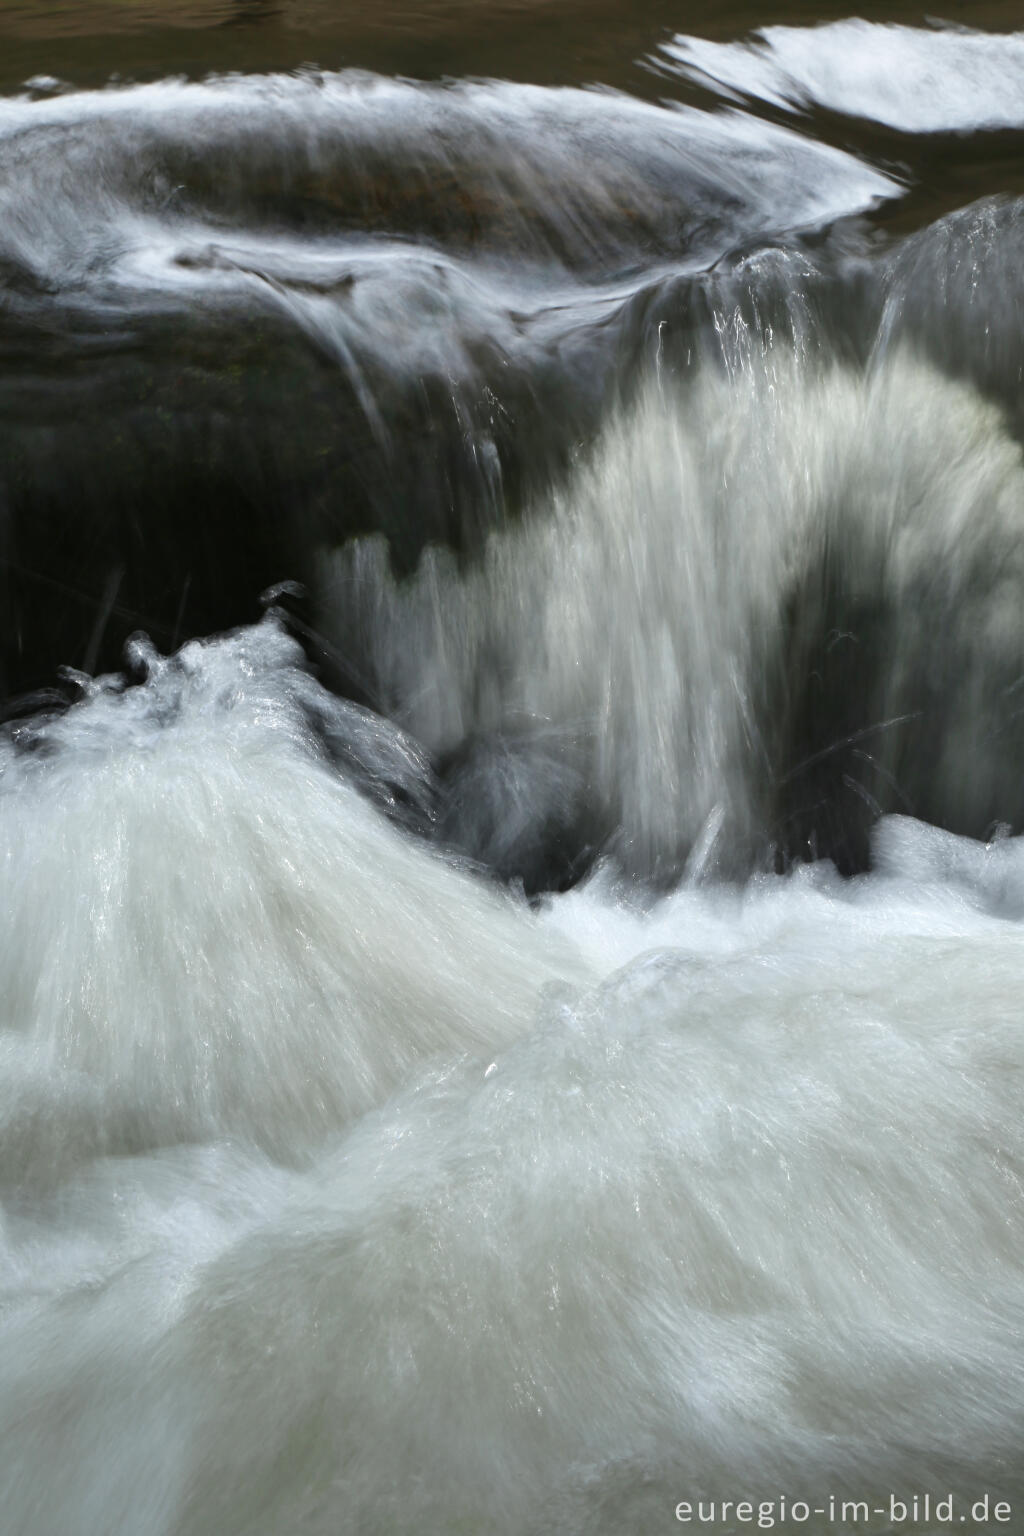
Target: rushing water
(512, 661)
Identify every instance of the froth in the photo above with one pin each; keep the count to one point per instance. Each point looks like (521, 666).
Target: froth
(754, 573)
(210, 932)
(744, 1216)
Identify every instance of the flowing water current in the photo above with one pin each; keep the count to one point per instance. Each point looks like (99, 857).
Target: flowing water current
(511, 746)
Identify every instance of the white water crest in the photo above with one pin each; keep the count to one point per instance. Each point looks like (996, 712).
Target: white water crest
(224, 950)
(632, 643)
(733, 1209)
(940, 80)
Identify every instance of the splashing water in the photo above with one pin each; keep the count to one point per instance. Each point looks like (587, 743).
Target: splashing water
(526, 1035)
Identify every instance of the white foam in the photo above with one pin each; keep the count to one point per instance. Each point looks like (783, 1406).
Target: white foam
(640, 617)
(209, 933)
(943, 80)
(743, 1218)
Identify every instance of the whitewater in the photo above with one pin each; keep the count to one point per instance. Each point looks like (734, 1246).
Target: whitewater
(511, 868)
